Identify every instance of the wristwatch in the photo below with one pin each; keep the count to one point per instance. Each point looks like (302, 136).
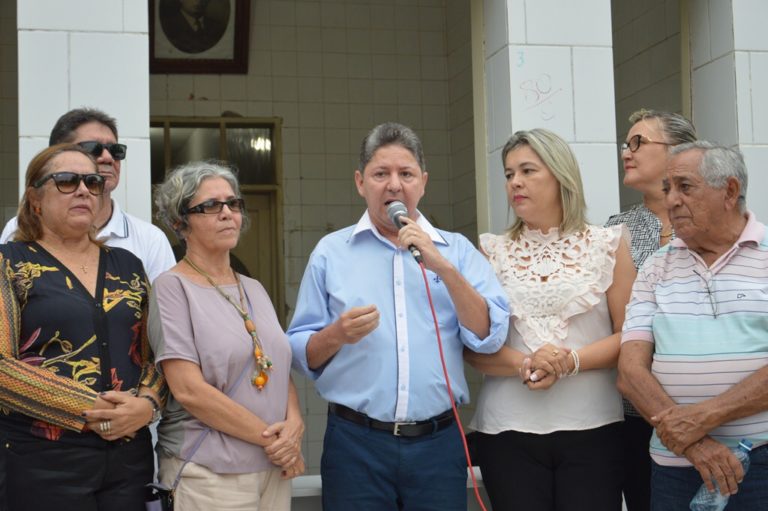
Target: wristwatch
(155, 408)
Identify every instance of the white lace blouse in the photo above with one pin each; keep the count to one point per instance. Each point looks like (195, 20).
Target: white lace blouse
(556, 288)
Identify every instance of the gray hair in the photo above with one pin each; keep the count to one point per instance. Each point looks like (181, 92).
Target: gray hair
(391, 133)
(677, 128)
(172, 197)
(718, 163)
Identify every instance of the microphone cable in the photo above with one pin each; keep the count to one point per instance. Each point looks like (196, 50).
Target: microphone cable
(448, 386)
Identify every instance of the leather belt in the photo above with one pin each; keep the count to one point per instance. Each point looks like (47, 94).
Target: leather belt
(404, 429)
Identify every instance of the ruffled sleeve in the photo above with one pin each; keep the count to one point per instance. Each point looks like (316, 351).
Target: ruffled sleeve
(602, 244)
(550, 279)
(492, 245)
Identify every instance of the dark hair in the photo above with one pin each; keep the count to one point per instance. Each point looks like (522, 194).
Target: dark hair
(391, 133)
(64, 129)
(29, 227)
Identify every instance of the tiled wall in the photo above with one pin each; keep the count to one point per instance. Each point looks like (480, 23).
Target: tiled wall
(460, 117)
(9, 126)
(332, 70)
(549, 64)
(646, 56)
(729, 53)
(69, 60)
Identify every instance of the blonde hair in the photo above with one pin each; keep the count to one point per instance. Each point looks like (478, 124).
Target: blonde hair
(557, 155)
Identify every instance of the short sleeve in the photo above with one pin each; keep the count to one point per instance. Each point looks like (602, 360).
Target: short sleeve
(170, 325)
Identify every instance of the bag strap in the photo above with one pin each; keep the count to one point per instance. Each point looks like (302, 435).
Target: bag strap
(202, 436)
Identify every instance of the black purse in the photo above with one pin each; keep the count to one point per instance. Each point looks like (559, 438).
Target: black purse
(161, 496)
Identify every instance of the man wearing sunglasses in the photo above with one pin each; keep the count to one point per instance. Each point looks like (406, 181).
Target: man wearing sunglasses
(96, 132)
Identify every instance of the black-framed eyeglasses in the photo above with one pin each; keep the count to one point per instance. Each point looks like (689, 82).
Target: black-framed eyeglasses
(634, 143)
(68, 182)
(96, 148)
(214, 207)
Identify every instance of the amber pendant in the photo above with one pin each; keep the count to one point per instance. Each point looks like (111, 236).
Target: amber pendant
(260, 379)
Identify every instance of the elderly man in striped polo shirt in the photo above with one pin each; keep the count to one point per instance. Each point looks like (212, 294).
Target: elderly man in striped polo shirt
(694, 354)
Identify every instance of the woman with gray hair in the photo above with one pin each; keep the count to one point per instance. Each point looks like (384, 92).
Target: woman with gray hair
(644, 154)
(553, 443)
(231, 432)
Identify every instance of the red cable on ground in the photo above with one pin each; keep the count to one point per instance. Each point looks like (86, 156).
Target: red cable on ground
(450, 392)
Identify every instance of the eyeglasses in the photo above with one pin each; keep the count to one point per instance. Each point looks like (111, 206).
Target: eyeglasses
(214, 207)
(710, 286)
(634, 143)
(96, 148)
(68, 182)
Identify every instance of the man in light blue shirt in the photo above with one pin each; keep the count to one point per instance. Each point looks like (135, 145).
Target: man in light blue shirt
(364, 332)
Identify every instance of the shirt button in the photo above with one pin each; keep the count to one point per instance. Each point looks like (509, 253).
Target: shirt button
(402, 387)
(398, 282)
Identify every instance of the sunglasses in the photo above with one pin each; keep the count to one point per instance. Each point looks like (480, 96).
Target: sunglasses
(213, 206)
(68, 182)
(96, 148)
(634, 143)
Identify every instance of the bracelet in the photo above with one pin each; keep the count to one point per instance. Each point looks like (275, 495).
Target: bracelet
(155, 407)
(155, 404)
(575, 357)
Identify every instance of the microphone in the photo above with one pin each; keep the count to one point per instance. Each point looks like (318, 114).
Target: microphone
(395, 211)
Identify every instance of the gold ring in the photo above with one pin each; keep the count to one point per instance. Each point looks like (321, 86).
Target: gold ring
(105, 426)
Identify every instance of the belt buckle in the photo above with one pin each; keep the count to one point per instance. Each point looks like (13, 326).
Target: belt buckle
(396, 429)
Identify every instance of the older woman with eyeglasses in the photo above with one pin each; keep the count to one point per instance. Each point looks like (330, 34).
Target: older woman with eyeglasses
(645, 154)
(77, 382)
(231, 433)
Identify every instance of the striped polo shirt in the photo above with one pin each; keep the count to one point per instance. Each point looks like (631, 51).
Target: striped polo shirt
(709, 326)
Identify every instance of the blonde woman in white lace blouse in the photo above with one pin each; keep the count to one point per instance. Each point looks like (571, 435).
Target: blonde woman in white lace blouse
(548, 414)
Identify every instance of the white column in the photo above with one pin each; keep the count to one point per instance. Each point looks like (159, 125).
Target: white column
(549, 64)
(729, 59)
(87, 53)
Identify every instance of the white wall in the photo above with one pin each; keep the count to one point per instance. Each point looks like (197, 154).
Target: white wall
(333, 70)
(549, 64)
(646, 57)
(729, 52)
(70, 57)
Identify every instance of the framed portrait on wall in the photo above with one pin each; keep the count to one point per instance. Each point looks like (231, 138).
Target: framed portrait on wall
(198, 36)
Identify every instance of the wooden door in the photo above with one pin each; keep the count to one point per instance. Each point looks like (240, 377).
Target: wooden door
(258, 247)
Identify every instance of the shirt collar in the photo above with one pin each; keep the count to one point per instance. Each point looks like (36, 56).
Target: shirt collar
(365, 224)
(753, 232)
(195, 23)
(117, 227)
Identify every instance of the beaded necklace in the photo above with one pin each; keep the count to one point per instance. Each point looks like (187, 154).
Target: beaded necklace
(263, 362)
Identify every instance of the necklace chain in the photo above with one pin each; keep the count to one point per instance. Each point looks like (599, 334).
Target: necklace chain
(263, 362)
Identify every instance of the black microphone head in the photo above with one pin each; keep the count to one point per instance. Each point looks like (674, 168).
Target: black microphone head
(395, 210)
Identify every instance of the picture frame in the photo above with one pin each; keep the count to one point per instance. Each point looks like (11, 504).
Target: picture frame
(207, 36)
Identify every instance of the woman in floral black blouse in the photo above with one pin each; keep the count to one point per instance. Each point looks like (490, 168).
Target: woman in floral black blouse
(77, 382)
